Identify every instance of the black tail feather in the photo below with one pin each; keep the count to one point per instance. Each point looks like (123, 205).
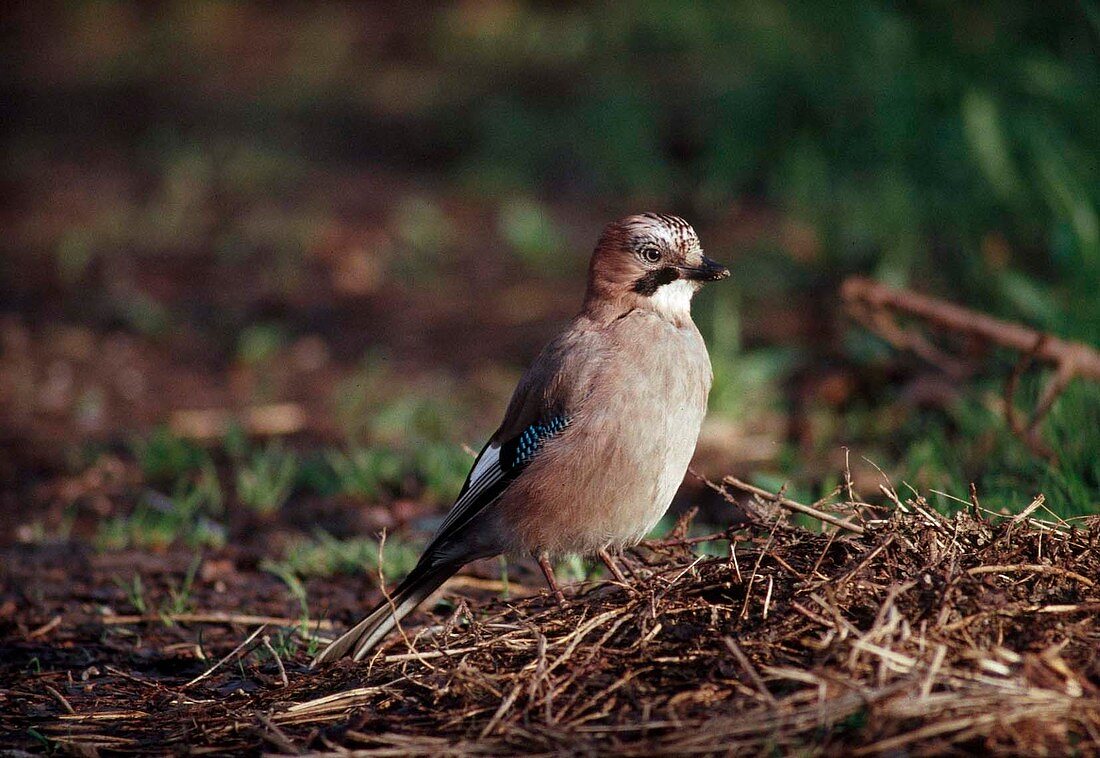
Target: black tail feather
(361, 638)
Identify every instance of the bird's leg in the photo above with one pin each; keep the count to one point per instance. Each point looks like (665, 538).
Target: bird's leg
(612, 566)
(548, 572)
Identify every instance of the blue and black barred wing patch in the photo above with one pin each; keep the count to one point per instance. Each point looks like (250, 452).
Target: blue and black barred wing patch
(517, 453)
(494, 469)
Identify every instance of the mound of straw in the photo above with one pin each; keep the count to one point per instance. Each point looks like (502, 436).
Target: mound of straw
(900, 631)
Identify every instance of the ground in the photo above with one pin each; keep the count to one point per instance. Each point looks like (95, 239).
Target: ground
(906, 630)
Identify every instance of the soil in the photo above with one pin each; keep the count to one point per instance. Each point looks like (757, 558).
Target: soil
(923, 633)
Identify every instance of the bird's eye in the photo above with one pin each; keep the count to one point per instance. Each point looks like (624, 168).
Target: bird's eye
(651, 254)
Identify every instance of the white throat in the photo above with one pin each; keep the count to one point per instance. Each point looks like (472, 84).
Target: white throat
(673, 300)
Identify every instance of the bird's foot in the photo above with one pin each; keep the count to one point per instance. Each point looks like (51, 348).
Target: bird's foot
(551, 580)
(613, 567)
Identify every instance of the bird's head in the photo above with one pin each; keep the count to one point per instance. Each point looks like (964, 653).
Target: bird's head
(651, 260)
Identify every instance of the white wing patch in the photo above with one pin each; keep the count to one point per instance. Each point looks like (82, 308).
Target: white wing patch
(489, 458)
(485, 474)
(488, 478)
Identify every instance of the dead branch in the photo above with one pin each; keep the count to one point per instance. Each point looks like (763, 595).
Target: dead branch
(1085, 360)
(877, 306)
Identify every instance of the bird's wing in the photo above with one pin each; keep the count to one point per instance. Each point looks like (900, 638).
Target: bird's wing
(542, 406)
(495, 468)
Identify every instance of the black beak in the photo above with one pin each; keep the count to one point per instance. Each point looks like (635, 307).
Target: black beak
(710, 271)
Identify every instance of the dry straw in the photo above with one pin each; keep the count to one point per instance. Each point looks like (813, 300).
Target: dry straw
(914, 633)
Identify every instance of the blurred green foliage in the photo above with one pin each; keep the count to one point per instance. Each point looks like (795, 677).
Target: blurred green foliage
(915, 141)
(952, 147)
(263, 478)
(260, 343)
(533, 235)
(324, 555)
(400, 430)
(266, 481)
(967, 444)
(157, 522)
(366, 473)
(165, 458)
(904, 134)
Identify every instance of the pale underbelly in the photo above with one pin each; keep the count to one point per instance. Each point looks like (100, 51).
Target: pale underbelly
(598, 493)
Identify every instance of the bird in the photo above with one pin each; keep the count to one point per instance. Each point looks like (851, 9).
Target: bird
(598, 434)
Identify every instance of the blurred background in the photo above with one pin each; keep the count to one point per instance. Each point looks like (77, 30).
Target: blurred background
(284, 258)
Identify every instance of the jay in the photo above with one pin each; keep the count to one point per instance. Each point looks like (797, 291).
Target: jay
(598, 434)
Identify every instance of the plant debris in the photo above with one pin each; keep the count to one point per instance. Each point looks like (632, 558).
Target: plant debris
(922, 633)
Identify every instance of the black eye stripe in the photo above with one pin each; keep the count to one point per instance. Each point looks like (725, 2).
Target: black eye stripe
(649, 282)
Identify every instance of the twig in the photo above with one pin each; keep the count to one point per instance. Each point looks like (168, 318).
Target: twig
(212, 618)
(685, 542)
(791, 505)
(934, 729)
(974, 502)
(232, 653)
(1035, 505)
(393, 608)
(276, 736)
(848, 484)
(756, 566)
(933, 669)
(866, 561)
(1009, 611)
(746, 664)
(750, 509)
(423, 656)
(883, 324)
(1054, 387)
(132, 678)
(266, 640)
(60, 699)
(821, 557)
(1035, 568)
(46, 628)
